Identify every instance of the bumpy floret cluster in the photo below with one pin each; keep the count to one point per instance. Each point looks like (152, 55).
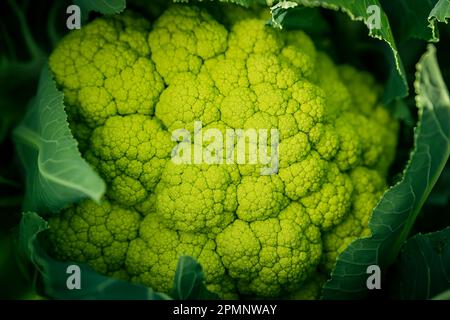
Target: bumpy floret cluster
(129, 85)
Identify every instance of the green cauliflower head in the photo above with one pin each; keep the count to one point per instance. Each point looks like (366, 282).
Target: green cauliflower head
(131, 89)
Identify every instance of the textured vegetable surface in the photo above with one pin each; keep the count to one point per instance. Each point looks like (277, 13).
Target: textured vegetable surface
(128, 86)
(156, 229)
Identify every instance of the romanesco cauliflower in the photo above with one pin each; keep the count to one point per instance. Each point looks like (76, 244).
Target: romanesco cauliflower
(129, 85)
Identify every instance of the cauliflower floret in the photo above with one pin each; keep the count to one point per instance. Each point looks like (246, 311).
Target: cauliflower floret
(182, 38)
(130, 152)
(311, 289)
(104, 69)
(152, 258)
(195, 98)
(270, 255)
(260, 198)
(197, 197)
(97, 234)
(369, 187)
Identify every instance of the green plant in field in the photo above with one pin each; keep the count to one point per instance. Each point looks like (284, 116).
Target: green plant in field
(122, 97)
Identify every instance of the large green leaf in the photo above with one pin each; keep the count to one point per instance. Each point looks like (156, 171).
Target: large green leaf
(297, 17)
(54, 274)
(442, 296)
(440, 13)
(423, 270)
(397, 211)
(189, 281)
(101, 6)
(419, 18)
(441, 194)
(245, 3)
(56, 174)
